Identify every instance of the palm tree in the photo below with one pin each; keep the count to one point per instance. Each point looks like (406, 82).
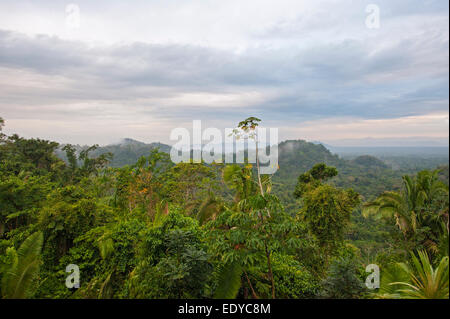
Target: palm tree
(430, 186)
(394, 205)
(425, 282)
(413, 207)
(209, 209)
(390, 275)
(18, 281)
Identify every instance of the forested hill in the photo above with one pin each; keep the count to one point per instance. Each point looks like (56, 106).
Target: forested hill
(127, 152)
(366, 174)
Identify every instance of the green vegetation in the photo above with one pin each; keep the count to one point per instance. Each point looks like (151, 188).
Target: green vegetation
(421, 280)
(139, 226)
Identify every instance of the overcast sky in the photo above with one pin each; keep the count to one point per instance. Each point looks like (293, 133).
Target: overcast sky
(138, 69)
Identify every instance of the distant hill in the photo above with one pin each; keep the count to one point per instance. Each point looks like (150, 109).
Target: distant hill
(367, 174)
(390, 151)
(126, 152)
(129, 151)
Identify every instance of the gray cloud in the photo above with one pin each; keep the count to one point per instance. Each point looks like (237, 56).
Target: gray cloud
(387, 74)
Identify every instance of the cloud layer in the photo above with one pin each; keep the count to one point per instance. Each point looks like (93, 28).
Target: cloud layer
(314, 71)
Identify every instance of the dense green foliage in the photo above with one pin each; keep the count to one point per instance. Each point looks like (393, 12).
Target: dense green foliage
(139, 226)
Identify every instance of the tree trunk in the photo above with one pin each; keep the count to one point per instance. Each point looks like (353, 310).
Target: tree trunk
(257, 167)
(254, 295)
(269, 265)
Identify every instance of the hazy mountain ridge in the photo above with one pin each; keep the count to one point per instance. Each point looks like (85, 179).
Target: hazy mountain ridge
(367, 174)
(126, 152)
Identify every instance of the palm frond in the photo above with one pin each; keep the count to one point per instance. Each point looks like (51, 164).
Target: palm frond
(208, 209)
(18, 280)
(229, 281)
(424, 281)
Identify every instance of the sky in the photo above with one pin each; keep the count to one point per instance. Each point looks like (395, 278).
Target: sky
(346, 73)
